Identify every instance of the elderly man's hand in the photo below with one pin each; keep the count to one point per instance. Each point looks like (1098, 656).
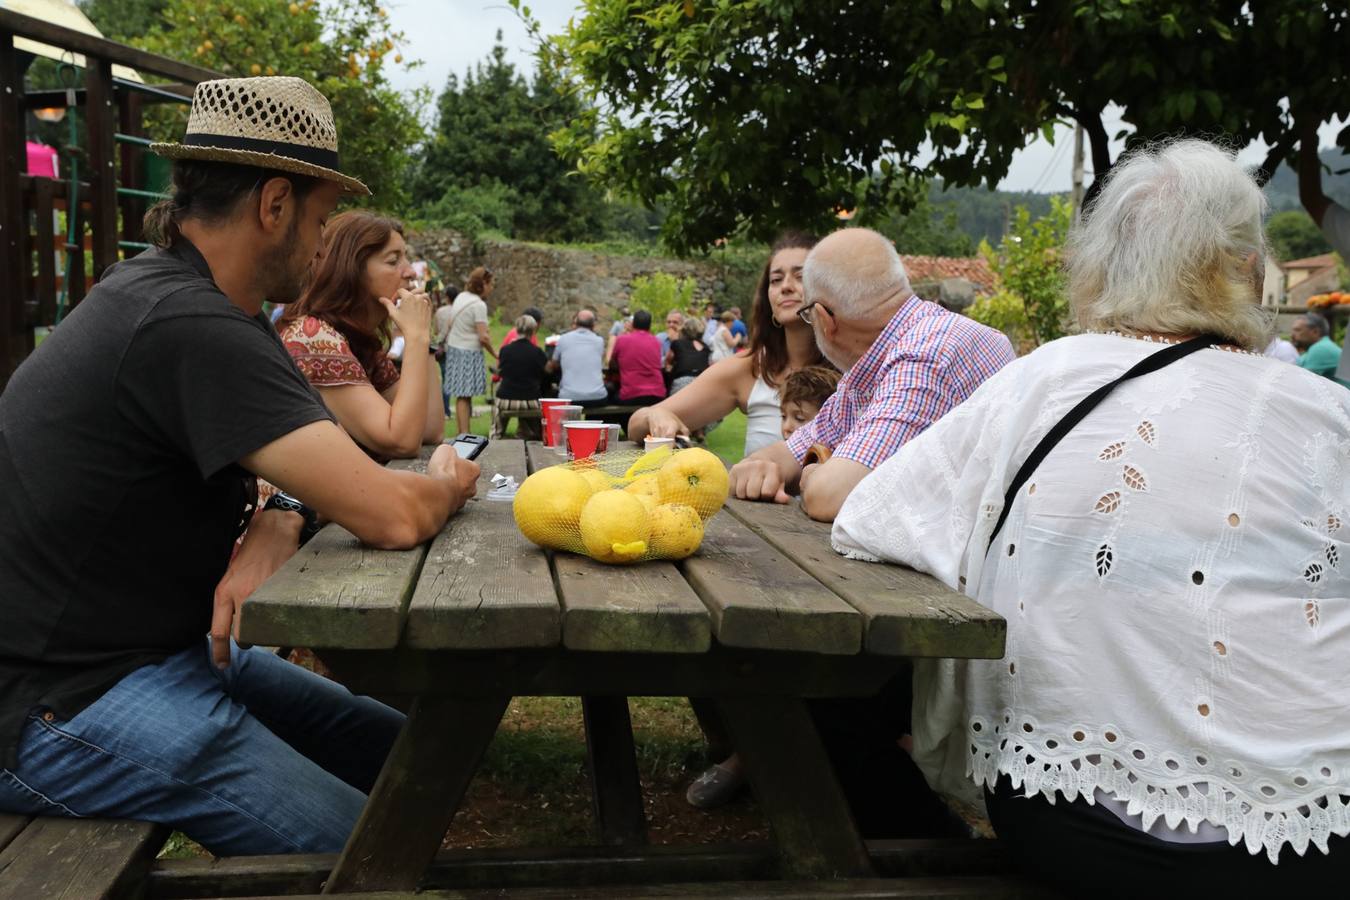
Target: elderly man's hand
(759, 479)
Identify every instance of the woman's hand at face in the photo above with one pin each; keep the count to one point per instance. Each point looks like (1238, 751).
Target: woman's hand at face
(411, 312)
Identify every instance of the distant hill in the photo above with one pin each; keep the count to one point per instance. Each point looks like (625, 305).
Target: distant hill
(1282, 190)
(982, 213)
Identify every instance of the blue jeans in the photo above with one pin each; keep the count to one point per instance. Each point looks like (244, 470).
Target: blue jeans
(263, 757)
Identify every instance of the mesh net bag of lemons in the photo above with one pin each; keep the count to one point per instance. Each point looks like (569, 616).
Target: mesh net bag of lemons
(624, 506)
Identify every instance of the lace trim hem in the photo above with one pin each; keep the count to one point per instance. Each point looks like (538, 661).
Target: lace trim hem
(851, 553)
(1205, 800)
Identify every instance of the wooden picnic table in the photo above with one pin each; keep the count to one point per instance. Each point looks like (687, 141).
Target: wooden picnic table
(765, 616)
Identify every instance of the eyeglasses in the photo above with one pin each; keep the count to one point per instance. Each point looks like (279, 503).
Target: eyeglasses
(805, 313)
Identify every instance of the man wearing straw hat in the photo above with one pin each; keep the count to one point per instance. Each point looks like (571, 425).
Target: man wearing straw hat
(129, 446)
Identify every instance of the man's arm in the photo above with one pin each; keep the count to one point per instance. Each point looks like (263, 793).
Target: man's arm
(396, 510)
(769, 474)
(825, 486)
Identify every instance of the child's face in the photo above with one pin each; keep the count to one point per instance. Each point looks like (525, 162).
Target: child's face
(796, 414)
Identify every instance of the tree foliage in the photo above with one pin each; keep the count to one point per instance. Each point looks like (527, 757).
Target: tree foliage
(1029, 266)
(342, 47)
(661, 292)
(758, 114)
(1294, 235)
(491, 139)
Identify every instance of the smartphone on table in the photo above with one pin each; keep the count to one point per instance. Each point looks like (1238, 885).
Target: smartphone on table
(469, 446)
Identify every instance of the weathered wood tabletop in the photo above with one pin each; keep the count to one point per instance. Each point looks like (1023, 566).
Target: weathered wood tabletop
(764, 616)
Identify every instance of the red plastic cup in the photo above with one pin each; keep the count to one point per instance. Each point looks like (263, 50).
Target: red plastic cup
(554, 415)
(585, 439)
(544, 404)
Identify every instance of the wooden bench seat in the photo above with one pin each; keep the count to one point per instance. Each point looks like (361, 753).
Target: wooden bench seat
(909, 869)
(75, 859)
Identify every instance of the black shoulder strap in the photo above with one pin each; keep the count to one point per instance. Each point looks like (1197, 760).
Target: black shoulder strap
(1151, 363)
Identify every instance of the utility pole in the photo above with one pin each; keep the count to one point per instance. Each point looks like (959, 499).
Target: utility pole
(1077, 168)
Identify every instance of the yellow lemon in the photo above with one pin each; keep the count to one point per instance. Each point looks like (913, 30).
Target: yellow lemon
(598, 480)
(649, 462)
(548, 507)
(695, 477)
(614, 527)
(646, 489)
(677, 531)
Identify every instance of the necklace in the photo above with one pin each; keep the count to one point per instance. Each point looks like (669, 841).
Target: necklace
(1159, 339)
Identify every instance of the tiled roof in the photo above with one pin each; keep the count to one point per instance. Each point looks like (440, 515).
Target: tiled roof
(1311, 262)
(927, 269)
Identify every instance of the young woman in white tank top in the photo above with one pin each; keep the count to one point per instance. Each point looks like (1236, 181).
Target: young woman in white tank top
(780, 343)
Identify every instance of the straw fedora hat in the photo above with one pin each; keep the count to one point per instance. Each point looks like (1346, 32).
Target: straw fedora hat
(274, 122)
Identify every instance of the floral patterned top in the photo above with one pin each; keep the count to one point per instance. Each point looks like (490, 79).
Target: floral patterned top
(325, 358)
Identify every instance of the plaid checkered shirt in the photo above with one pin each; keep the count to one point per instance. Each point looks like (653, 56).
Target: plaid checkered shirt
(925, 361)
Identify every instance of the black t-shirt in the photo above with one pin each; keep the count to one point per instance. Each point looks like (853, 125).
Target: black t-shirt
(521, 365)
(120, 489)
(688, 359)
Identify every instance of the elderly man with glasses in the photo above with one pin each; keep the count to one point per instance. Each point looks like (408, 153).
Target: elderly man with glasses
(906, 362)
(674, 322)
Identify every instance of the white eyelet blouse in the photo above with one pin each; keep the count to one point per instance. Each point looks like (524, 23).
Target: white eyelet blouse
(1176, 581)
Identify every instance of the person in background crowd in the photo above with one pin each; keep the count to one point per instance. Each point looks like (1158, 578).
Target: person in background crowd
(637, 355)
(1283, 350)
(908, 362)
(578, 356)
(523, 368)
(338, 330)
(687, 357)
(1169, 718)
(134, 433)
(738, 329)
(620, 327)
(621, 321)
(440, 329)
(780, 343)
(533, 312)
(467, 338)
(674, 322)
(724, 342)
(804, 393)
(1318, 353)
(711, 322)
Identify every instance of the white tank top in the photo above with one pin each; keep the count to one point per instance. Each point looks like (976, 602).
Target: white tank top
(763, 417)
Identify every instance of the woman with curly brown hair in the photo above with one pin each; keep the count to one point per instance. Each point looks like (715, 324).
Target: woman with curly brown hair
(338, 333)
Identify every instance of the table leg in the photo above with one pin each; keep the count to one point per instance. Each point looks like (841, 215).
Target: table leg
(417, 794)
(611, 760)
(795, 787)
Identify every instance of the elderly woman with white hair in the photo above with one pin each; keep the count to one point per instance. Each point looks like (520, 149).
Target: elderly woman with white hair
(1161, 515)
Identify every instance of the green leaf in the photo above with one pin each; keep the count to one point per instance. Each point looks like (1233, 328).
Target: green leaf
(1186, 105)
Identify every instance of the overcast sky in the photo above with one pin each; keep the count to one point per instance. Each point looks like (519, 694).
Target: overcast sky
(452, 35)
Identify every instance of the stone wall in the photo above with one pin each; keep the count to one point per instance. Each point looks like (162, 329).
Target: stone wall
(560, 281)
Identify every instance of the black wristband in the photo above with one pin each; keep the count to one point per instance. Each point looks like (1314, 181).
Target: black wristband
(284, 501)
